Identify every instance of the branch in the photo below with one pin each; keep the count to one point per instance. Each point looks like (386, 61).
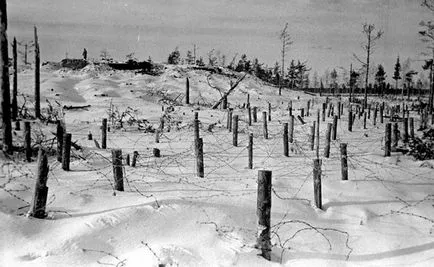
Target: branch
(358, 59)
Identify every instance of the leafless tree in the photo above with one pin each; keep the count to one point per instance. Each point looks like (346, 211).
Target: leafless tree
(372, 36)
(285, 38)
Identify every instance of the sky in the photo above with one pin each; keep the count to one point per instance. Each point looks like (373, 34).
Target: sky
(326, 33)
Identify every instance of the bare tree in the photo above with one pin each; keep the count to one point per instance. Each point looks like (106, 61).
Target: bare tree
(372, 36)
(285, 38)
(4, 81)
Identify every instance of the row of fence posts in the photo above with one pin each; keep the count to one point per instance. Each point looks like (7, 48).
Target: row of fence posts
(264, 176)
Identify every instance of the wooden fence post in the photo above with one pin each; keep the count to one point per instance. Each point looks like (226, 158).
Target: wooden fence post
(235, 130)
(250, 149)
(249, 114)
(199, 158)
(395, 133)
(127, 160)
(327, 143)
(263, 212)
(335, 127)
(302, 112)
(196, 131)
(104, 134)
(405, 136)
(118, 169)
(312, 136)
(290, 108)
(66, 151)
(412, 128)
(339, 110)
(28, 140)
(255, 114)
(291, 129)
(364, 120)
(285, 140)
(381, 113)
(39, 201)
(269, 111)
(387, 140)
(187, 91)
(317, 183)
(308, 108)
(344, 161)
(264, 127)
(89, 136)
(375, 115)
(324, 107)
(230, 120)
(135, 155)
(59, 136)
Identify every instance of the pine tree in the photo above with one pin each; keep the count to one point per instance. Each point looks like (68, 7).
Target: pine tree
(189, 57)
(174, 57)
(380, 78)
(396, 73)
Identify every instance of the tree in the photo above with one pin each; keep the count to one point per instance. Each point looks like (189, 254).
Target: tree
(200, 62)
(291, 75)
(285, 38)
(396, 73)
(4, 81)
(409, 79)
(380, 78)
(276, 73)
(315, 80)
(189, 58)
(174, 57)
(105, 55)
(334, 78)
(243, 64)
(372, 36)
(212, 58)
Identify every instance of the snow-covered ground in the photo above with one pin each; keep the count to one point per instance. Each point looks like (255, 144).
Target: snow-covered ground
(382, 216)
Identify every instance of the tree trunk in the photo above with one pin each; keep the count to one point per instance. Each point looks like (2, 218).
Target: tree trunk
(37, 78)
(365, 102)
(15, 88)
(4, 81)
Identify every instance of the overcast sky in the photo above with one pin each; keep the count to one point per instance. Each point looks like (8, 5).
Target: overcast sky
(325, 32)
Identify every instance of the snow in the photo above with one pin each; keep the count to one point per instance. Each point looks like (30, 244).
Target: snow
(381, 216)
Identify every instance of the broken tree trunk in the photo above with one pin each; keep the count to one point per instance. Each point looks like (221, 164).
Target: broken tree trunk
(228, 92)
